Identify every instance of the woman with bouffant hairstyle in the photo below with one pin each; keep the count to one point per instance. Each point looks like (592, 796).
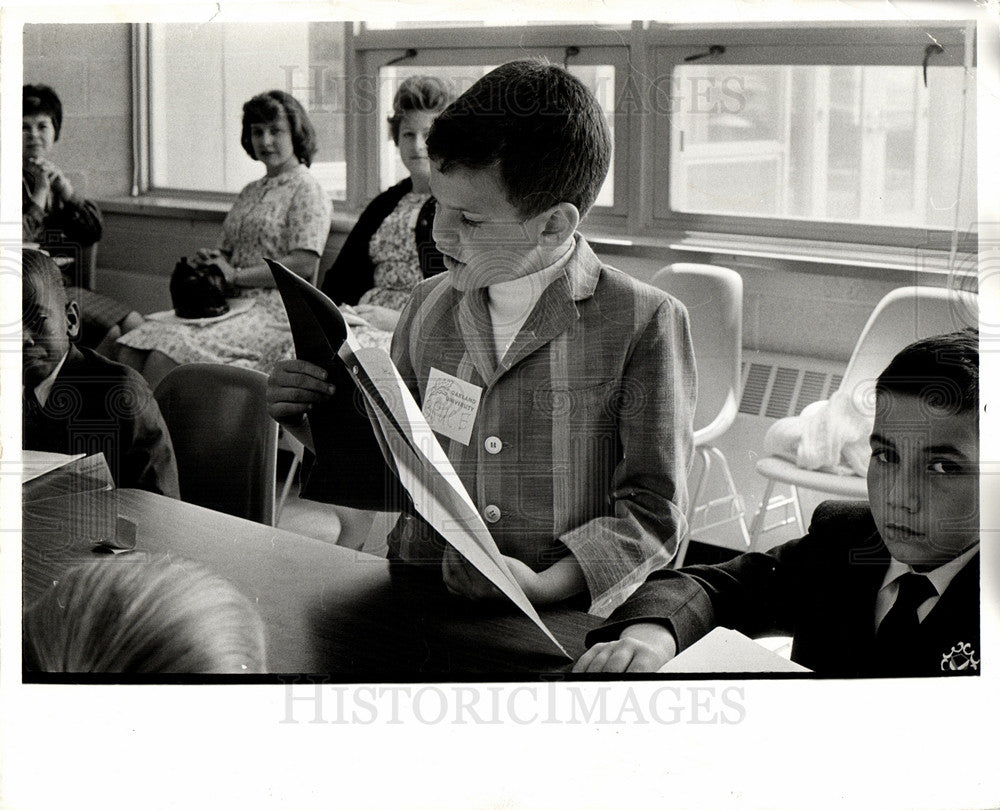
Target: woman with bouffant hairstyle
(269, 107)
(285, 216)
(143, 616)
(391, 248)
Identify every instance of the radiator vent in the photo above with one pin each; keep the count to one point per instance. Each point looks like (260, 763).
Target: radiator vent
(784, 385)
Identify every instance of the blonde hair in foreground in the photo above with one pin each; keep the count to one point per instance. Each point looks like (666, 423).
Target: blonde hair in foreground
(143, 615)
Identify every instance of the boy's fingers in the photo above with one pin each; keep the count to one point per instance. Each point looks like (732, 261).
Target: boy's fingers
(643, 661)
(593, 660)
(462, 578)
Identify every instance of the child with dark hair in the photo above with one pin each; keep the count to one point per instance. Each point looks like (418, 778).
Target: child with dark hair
(884, 588)
(577, 447)
(60, 222)
(391, 249)
(76, 401)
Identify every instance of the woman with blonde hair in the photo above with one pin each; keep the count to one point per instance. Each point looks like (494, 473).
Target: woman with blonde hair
(138, 615)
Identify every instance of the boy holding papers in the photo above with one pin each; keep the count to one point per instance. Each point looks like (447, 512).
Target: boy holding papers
(886, 589)
(561, 389)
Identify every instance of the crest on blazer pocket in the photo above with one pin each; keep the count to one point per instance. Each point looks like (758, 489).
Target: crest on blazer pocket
(960, 658)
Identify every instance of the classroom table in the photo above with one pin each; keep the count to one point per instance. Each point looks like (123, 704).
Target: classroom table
(328, 610)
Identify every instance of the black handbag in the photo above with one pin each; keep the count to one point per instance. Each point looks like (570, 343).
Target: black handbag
(199, 290)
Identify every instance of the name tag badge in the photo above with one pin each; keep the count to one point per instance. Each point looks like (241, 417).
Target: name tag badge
(450, 405)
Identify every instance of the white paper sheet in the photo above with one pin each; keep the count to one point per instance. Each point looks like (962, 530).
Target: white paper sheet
(35, 463)
(725, 650)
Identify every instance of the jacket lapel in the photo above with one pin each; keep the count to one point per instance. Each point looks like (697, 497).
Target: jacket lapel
(556, 309)
(477, 332)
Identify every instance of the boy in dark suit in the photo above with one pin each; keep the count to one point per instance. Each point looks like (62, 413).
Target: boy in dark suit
(886, 589)
(75, 401)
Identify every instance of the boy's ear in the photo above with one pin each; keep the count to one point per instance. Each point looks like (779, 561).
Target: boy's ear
(560, 223)
(72, 319)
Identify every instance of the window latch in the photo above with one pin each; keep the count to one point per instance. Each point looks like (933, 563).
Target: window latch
(713, 50)
(933, 48)
(571, 50)
(410, 53)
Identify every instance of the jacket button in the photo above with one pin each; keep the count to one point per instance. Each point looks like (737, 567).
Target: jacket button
(493, 445)
(492, 513)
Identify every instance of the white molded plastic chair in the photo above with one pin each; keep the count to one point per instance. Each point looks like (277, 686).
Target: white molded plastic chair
(714, 299)
(904, 315)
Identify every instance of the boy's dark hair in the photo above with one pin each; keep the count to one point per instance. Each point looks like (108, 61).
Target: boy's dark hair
(40, 99)
(418, 94)
(267, 107)
(539, 125)
(38, 268)
(942, 370)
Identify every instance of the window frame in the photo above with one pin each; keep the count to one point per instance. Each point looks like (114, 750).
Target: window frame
(803, 44)
(494, 46)
(637, 50)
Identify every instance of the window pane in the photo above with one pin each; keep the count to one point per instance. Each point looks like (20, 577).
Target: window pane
(200, 77)
(599, 78)
(869, 145)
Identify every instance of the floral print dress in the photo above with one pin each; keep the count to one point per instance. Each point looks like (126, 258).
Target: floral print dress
(271, 217)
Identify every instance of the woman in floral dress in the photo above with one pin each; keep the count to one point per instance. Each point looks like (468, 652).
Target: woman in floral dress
(285, 215)
(391, 249)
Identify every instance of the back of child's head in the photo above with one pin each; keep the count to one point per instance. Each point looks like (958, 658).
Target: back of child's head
(40, 99)
(538, 125)
(142, 616)
(943, 371)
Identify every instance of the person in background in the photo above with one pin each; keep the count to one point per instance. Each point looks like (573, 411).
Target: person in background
(580, 380)
(140, 616)
(886, 588)
(76, 401)
(55, 219)
(391, 248)
(285, 215)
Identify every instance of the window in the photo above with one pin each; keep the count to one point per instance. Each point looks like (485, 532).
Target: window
(599, 78)
(201, 75)
(598, 57)
(821, 136)
(829, 133)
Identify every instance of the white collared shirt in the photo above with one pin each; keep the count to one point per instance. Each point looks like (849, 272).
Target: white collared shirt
(44, 388)
(511, 302)
(940, 578)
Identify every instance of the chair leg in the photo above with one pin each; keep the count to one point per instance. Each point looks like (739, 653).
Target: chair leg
(699, 487)
(734, 494)
(797, 505)
(758, 520)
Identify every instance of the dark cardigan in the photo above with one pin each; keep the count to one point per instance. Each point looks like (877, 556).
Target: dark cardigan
(353, 273)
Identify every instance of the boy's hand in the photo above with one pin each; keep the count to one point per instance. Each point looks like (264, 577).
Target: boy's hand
(463, 579)
(293, 388)
(643, 647)
(554, 584)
